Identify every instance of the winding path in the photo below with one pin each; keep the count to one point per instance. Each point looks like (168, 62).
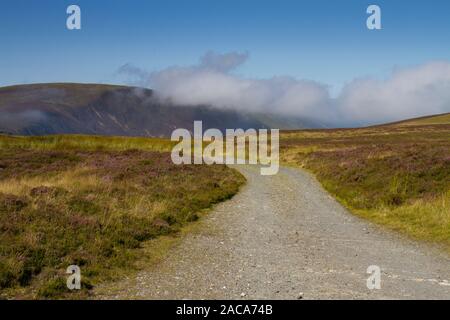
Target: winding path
(284, 237)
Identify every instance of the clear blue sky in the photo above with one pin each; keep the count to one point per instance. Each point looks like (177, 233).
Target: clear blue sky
(320, 40)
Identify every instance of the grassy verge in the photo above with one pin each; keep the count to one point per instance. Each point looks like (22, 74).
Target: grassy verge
(398, 176)
(93, 202)
(85, 143)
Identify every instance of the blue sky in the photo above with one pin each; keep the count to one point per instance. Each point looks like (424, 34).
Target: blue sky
(326, 41)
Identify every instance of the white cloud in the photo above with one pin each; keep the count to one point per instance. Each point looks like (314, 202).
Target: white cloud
(408, 92)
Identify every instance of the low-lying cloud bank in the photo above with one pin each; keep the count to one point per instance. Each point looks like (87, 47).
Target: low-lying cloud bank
(408, 92)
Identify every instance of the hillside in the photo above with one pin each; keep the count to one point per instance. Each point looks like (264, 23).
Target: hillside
(94, 109)
(428, 120)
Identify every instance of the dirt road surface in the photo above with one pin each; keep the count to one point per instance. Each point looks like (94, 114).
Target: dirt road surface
(284, 237)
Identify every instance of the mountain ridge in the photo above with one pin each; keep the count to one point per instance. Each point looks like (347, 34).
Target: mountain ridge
(99, 109)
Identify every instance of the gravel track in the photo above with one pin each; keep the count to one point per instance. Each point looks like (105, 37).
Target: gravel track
(284, 237)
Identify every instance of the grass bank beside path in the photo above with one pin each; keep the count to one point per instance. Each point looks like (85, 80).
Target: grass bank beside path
(93, 202)
(395, 175)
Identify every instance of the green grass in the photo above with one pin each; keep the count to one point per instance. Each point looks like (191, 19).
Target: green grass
(94, 202)
(84, 142)
(440, 119)
(395, 175)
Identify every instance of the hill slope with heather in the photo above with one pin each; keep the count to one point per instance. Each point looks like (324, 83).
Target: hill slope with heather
(103, 203)
(396, 174)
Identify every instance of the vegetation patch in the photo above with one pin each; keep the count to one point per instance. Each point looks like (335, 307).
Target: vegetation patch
(92, 207)
(396, 175)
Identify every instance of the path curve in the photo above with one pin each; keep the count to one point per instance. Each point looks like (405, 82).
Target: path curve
(284, 237)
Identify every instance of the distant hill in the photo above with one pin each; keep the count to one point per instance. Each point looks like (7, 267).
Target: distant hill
(427, 120)
(68, 108)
